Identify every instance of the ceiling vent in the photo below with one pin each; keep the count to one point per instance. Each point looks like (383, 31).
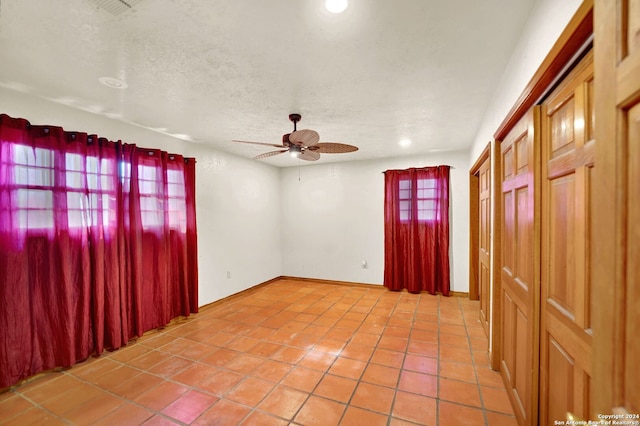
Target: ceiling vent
(115, 7)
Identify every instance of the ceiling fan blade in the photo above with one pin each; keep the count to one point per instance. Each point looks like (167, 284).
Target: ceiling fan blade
(334, 148)
(304, 137)
(269, 154)
(261, 143)
(309, 155)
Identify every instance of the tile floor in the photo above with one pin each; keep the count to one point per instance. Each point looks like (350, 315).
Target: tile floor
(288, 353)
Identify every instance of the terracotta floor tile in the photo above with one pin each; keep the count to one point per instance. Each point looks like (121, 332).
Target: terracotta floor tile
(198, 351)
(454, 414)
(357, 351)
(176, 345)
(381, 375)
(373, 397)
(423, 384)
(304, 341)
(70, 398)
(157, 340)
(318, 411)
(34, 416)
(349, 368)
(340, 334)
(393, 343)
(250, 391)
(388, 358)
(365, 339)
(161, 396)
(488, 377)
(497, 419)
(194, 373)
(220, 383)
(137, 385)
(272, 371)
(457, 371)
(303, 379)
(424, 335)
(262, 419)
(129, 352)
(459, 392)
(160, 421)
(330, 346)
(149, 359)
(415, 408)
(222, 413)
(337, 388)
(264, 349)
(455, 354)
(92, 410)
(355, 416)
(395, 331)
(220, 357)
(126, 414)
(94, 368)
(170, 367)
(426, 325)
(421, 364)
(317, 360)
(454, 340)
(241, 343)
(189, 406)
(418, 347)
(283, 402)
(459, 330)
(244, 363)
(52, 388)
(12, 406)
(496, 400)
(289, 355)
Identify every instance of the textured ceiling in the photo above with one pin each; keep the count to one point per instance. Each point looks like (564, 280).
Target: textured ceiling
(212, 70)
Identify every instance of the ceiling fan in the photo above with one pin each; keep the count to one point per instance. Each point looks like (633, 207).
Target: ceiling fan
(302, 144)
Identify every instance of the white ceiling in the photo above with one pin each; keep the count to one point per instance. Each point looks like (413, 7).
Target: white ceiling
(212, 70)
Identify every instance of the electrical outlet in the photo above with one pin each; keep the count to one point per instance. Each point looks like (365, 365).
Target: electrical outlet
(365, 265)
(228, 274)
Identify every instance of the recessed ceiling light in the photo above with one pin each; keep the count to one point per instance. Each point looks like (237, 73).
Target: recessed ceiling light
(113, 82)
(404, 142)
(336, 6)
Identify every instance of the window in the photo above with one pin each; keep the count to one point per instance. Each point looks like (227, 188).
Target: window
(425, 198)
(33, 170)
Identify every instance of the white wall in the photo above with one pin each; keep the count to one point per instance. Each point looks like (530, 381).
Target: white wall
(333, 218)
(545, 24)
(237, 200)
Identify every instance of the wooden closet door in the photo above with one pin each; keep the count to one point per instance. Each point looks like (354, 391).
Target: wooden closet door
(484, 243)
(568, 145)
(520, 293)
(616, 258)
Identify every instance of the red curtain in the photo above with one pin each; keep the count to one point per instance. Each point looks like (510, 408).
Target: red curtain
(416, 230)
(97, 245)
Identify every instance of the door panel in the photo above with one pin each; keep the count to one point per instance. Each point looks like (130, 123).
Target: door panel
(520, 291)
(567, 160)
(484, 255)
(616, 201)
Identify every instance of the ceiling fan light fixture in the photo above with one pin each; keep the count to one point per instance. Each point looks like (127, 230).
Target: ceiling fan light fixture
(294, 151)
(336, 6)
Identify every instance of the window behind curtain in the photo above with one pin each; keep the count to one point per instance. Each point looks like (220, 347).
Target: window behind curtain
(417, 229)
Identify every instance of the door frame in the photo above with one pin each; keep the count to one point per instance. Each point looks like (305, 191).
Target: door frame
(491, 153)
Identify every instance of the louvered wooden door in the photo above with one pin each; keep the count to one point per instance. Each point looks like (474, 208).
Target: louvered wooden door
(616, 260)
(520, 291)
(484, 243)
(568, 147)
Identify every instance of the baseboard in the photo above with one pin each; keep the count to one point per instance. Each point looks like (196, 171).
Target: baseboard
(238, 294)
(354, 284)
(332, 282)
